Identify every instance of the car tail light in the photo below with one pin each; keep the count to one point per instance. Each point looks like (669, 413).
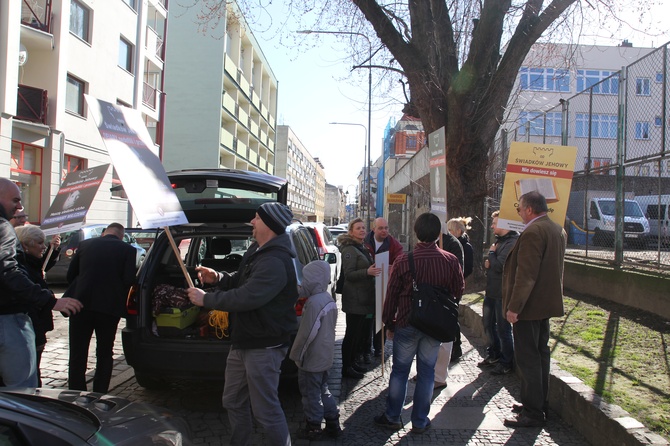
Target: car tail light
(320, 246)
(131, 302)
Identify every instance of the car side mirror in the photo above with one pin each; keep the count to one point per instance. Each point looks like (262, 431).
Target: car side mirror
(329, 257)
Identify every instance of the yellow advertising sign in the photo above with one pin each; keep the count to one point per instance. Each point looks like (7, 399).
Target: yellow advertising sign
(545, 168)
(396, 198)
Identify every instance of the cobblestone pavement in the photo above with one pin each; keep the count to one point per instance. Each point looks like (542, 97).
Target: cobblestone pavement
(469, 411)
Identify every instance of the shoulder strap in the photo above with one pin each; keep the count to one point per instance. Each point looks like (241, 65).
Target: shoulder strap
(412, 270)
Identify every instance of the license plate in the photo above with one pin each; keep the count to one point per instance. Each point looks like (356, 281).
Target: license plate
(631, 235)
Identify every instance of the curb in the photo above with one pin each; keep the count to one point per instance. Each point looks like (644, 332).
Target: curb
(577, 404)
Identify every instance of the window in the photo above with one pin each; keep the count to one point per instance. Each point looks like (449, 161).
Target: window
(599, 81)
(548, 124)
(658, 121)
(80, 20)
(74, 95)
(125, 55)
(600, 166)
(642, 171)
(643, 86)
(602, 126)
(72, 164)
(131, 3)
(411, 142)
(659, 77)
(544, 79)
(641, 130)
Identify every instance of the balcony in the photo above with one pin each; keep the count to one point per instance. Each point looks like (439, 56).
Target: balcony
(37, 14)
(32, 104)
(149, 96)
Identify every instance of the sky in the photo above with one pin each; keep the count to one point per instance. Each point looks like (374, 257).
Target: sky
(316, 86)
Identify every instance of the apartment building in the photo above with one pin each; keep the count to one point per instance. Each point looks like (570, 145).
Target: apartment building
(305, 174)
(52, 52)
(222, 101)
(548, 106)
(335, 207)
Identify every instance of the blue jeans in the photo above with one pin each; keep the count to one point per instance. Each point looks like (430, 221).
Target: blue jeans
(317, 401)
(499, 332)
(252, 379)
(407, 343)
(18, 359)
(489, 320)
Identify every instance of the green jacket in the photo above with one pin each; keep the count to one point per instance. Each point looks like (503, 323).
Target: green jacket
(358, 296)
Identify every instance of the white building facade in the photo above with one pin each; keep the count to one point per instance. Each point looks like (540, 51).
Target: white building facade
(52, 53)
(222, 102)
(305, 175)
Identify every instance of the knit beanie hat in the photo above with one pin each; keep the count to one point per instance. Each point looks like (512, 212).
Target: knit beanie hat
(276, 216)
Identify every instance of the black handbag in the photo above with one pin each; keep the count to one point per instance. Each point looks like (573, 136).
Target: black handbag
(434, 310)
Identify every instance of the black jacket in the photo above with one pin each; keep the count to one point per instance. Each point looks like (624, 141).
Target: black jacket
(468, 254)
(497, 259)
(17, 292)
(260, 296)
(452, 245)
(104, 268)
(43, 320)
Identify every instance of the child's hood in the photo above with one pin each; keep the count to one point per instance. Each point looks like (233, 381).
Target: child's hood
(315, 278)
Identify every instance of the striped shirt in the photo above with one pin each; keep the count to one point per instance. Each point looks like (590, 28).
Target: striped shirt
(434, 266)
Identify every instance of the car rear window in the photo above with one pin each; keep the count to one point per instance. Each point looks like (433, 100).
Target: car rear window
(211, 194)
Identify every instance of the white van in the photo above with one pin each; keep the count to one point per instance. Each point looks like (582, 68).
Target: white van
(655, 208)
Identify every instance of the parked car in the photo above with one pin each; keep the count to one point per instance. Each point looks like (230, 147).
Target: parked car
(64, 417)
(69, 244)
(143, 237)
(336, 231)
(179, 342)
(328, 250)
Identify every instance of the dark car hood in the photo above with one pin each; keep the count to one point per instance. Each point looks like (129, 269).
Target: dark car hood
(85, 414)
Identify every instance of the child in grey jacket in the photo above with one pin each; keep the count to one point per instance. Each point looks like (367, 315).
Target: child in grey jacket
(312, 352)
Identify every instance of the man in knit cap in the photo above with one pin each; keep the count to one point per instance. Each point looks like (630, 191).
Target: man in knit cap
(259, 297)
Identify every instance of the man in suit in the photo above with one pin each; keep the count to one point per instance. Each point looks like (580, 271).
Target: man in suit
(532, 293)
(104, 269)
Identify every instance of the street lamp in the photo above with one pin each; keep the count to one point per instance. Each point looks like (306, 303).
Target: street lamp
(353, 33)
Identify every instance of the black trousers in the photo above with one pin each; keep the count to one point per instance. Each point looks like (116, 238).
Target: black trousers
(82, 326)
(355, 336)
(532, 354)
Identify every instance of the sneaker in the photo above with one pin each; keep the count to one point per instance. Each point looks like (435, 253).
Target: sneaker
(333, 429)
(350, 372)
(420, 430)
(311, 431)
(502, 369)
(382, 421)
(489, 361)
(359, 368)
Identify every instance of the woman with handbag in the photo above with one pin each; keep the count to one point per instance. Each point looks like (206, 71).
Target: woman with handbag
(358, 295)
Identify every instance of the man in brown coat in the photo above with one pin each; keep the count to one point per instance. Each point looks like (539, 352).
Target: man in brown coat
(532, 293)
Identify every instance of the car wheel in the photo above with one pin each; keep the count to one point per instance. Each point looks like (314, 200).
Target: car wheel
(150, 382)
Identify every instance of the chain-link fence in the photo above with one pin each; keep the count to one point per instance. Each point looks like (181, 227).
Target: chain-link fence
(620, 198)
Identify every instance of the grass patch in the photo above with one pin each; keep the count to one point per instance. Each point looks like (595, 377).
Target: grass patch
(620, 352)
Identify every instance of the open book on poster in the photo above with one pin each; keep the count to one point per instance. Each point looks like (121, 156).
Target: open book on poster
(545, 186)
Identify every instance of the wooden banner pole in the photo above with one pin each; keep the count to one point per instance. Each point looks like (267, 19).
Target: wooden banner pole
(178, 255)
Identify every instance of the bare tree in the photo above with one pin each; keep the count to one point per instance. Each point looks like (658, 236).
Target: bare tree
(460, 60)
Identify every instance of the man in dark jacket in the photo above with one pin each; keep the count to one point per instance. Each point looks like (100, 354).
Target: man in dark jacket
(496, 327)
(260, 298)
(18, 295)
(104, 269)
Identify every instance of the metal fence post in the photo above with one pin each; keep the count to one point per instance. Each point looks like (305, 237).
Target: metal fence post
(621, 148)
